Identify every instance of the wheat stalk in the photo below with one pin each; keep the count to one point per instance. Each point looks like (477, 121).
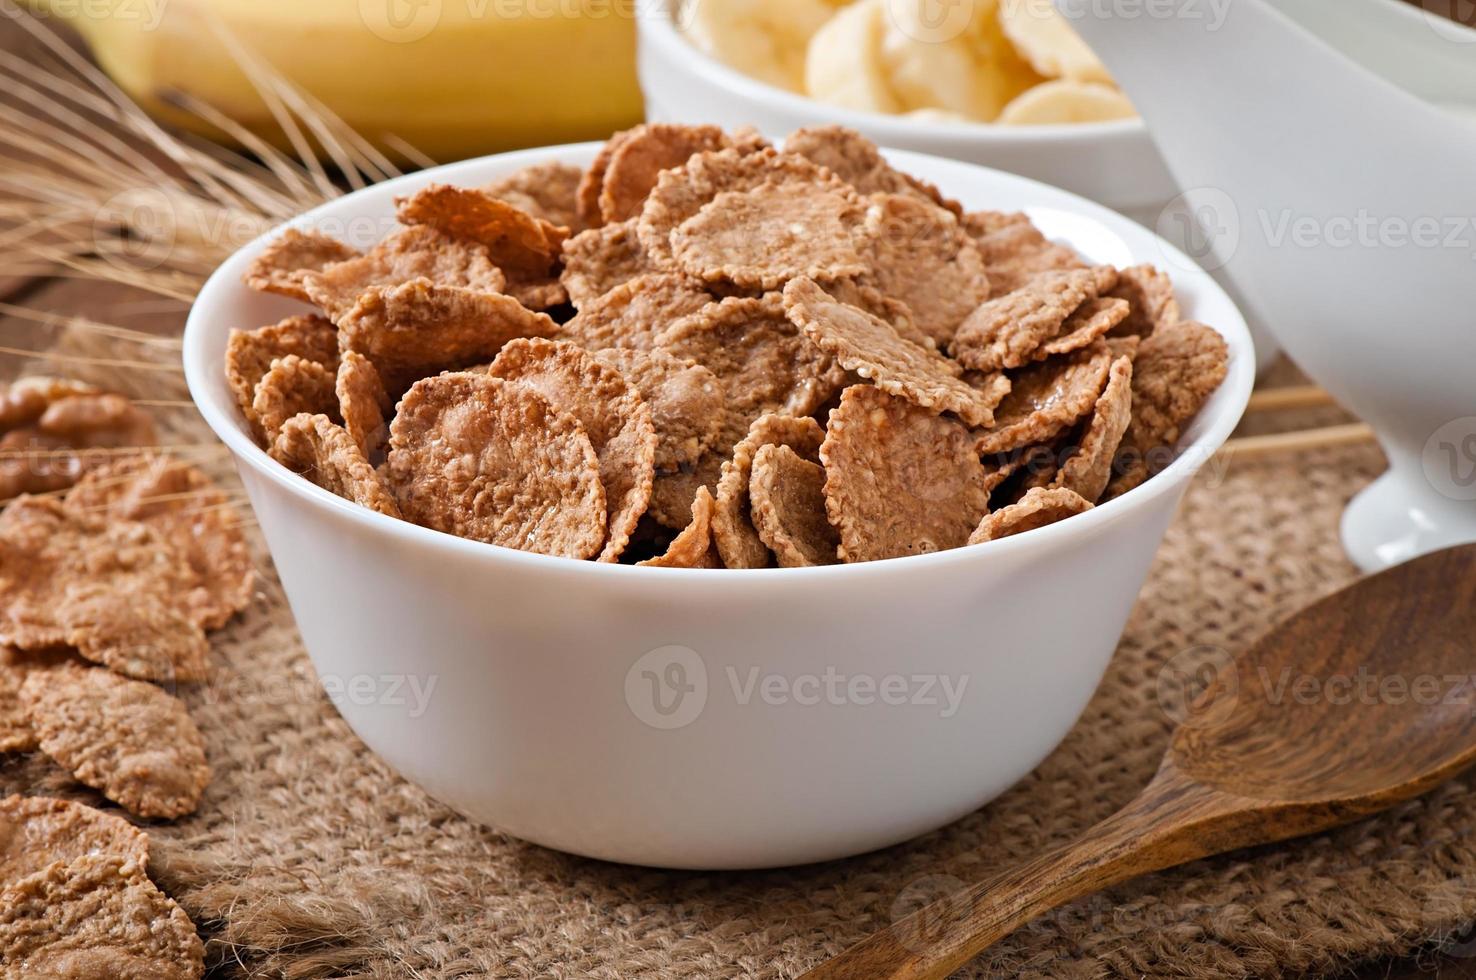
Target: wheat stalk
(92, 188)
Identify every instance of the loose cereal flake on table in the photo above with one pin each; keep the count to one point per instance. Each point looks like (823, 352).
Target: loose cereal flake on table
(192, 513)
(97, 916)
(130, 740)
(36, 831)
(117, 591)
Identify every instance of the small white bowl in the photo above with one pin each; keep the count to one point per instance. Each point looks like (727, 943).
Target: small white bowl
(1113, 163)
(709, 719)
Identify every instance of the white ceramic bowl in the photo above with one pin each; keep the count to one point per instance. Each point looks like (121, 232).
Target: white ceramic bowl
(807, 712)
(1114, 163)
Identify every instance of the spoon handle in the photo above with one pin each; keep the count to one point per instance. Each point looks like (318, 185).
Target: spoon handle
(1153, 832)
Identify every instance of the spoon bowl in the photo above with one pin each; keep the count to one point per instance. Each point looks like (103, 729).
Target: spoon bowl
(1360, 701)
(1377, 699)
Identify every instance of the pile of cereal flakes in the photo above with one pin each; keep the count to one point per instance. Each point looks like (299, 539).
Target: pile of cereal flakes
(113, 566)
(707, 352)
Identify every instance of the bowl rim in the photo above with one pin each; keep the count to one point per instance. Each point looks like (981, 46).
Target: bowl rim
(1229, 401)
(654, 23)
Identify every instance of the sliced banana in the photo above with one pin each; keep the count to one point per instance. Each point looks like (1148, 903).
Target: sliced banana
(1049, 42)
(1011, 73)
(934, 76)
(844, 66)
(933, 66)
(766, 39)
(1067, 101)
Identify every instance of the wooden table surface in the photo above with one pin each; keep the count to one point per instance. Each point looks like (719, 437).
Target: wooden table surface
(120, 305)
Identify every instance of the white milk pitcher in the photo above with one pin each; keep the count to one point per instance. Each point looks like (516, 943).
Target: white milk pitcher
(1329, 155)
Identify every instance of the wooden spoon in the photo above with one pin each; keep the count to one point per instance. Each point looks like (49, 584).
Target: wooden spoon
(1363, 700)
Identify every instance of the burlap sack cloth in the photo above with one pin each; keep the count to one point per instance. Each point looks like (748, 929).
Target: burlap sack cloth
(309, 858)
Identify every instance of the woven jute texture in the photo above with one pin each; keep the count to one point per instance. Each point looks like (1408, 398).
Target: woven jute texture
(309, 858)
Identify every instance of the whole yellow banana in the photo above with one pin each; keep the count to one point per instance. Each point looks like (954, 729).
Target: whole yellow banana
(453, 78)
